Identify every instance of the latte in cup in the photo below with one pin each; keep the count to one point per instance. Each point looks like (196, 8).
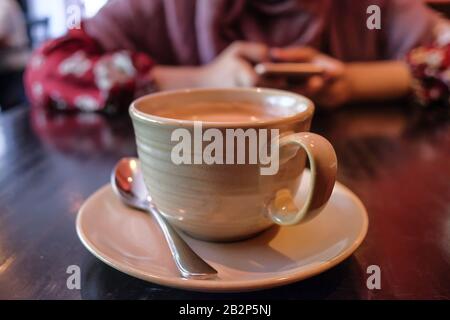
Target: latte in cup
(225, 164)
(217, 112)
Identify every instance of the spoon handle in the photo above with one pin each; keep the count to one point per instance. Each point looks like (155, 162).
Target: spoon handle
(188, 262)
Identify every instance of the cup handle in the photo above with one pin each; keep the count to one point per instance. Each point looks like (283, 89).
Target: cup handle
(323, 165)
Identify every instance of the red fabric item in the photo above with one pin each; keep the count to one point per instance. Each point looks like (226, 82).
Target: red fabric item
(430, 67)
(74, 73)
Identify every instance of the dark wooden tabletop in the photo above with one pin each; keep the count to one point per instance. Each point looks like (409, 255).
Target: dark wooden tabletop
(394, 157)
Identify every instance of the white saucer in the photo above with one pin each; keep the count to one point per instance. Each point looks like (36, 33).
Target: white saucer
(131, 242)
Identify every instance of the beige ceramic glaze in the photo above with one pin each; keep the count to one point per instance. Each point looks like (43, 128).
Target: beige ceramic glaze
(230, 202)
(131, 242)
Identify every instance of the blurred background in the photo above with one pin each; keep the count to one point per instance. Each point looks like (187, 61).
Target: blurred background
(29, 23)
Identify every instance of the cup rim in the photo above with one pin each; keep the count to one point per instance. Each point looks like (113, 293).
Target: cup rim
(135, 113)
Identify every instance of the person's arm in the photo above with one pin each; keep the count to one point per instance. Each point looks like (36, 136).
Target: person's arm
(372, 81)
(232, 68)
(344, 83)
(74, 73)
(172, 78)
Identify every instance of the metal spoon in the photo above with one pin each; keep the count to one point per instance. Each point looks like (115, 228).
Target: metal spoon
(128, 183)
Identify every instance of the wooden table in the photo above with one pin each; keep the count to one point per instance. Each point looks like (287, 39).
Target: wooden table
(395, 158)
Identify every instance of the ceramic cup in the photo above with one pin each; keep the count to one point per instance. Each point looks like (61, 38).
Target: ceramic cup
(227, 202)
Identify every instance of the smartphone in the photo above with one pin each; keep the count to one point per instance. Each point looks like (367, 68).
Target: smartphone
(298, 70)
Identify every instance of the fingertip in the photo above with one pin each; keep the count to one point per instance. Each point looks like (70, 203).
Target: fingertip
(315, 83)
(275, 53)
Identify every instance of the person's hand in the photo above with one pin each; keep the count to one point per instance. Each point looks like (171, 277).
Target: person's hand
(234, 66)
(330, 90)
